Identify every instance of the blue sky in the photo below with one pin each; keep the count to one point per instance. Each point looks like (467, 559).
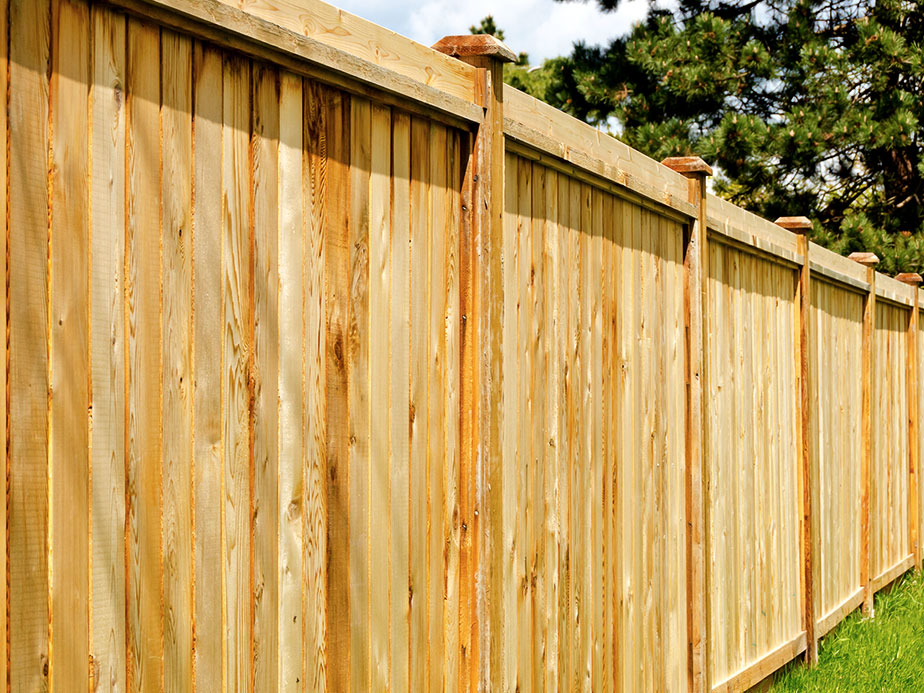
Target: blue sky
(542, 28)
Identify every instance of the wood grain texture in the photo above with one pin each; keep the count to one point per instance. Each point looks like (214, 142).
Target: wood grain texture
(144, 344)
(107, 349)
(266, 345)
(69, 537)
(28, 327)
(324, 141)
(176, 128)
(835, 344)
(236, 374)
(208, 97)
(337, 271)
(889, 536)
(296, 605)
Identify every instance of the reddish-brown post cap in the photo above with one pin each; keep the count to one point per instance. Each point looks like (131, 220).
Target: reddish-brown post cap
(687, 165)
(470, 45)
(867, 259)
(800, 225)
(912, 278)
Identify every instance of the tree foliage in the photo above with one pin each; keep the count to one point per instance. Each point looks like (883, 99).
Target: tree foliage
(802, 106)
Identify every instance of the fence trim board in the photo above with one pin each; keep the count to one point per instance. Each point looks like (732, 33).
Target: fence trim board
(679, 211)
(755, 245)
(229, 27)
(894, 291)
(827, 623)
(722, 214)
(835, 278)
(891, 574)
(762, 668)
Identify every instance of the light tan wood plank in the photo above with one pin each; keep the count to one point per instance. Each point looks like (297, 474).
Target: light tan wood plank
(207, 338)
(266, 344)
(28, 346)
(301, 611)
(338, 130)
(358, 368)
(399, 401)
(418, 547)
(380, 366)
(69, 438)
(436, 406)
(237, 350)
(4, 296)
(177, 415)
(143, 342)
(107, 349)
(301, 616)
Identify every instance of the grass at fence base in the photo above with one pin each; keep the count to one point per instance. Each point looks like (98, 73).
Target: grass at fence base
(882, 654)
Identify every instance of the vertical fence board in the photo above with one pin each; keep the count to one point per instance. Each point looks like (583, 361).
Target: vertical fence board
(177, 360)
(301, 613)
(418, 565)
(266, 396)
(236, 375)
(399, 401)
(207, 384)
(69, 538)
(28, 344)
(143, 361)
(107, 258)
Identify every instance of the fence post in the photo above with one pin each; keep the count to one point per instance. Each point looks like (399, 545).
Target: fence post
(694, 288)
(869, 260)
(801, 226)
(485, 502)
(914, 280)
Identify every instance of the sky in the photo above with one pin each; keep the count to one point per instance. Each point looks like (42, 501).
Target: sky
(541, 28)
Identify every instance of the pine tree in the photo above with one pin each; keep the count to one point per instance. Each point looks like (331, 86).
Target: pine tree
(802, 106)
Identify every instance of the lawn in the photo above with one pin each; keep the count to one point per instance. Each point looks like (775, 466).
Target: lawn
(882, 654)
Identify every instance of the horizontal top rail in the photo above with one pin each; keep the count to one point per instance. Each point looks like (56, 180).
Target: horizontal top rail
(895, 291)
(838, 268)
(364, 39)
(540, 126)
(749, 229)
(316, 39)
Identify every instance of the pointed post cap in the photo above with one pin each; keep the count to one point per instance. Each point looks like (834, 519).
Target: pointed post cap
(470, 45)
(912, 278)
(800, 225)
(866, 259)
(688, 165)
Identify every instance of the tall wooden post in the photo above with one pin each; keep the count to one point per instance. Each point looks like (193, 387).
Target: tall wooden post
(801, 226)
(694, 288)
(869, 260)
(487, 598)
(914, 280)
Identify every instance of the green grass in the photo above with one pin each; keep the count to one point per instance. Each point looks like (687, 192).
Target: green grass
(882, 654)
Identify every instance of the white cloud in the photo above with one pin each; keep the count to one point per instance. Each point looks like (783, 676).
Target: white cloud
(542, 28)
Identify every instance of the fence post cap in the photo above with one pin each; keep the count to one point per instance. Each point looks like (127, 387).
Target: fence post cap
(912, 278)
(470, 45)
(800, 225)
(687, 165)
(867, 259)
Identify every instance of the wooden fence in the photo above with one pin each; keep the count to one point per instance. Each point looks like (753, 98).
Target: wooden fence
(335, 364)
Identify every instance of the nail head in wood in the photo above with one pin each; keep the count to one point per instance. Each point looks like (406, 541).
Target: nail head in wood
(470, 45)
(912, 278)
(800, 225)
(866, 259)
(687, 165)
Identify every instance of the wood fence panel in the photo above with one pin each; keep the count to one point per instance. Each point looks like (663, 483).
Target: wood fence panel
(242, 443)
(836, 335)
(601, 486)
(889, 537)
(751, 458)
